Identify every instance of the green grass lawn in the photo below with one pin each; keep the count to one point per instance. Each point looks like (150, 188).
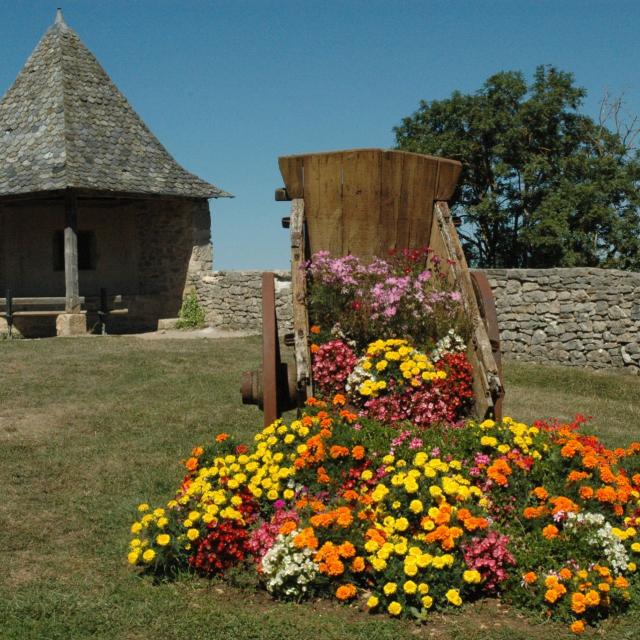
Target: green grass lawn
(90, 427)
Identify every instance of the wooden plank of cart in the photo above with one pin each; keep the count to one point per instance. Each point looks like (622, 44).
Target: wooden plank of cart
(365, 202)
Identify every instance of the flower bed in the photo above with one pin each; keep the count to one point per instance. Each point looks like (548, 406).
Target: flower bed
(543, 515)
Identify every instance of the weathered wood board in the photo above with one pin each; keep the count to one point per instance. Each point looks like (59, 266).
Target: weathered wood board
(367, 201)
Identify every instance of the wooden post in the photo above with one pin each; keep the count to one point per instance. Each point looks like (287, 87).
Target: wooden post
(72, 286)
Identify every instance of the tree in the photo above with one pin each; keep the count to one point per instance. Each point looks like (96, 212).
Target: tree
(542, 185)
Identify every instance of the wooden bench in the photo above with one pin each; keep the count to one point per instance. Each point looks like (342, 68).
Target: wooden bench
(35, 307)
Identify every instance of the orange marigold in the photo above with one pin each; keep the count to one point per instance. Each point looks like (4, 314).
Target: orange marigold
(221, 437)
(590, 461)
(586, 492)
(541, 493)
(346, 592)
(576, 476)
(530, 577)
(344, 517)
(321, 474)
(578, 604)
(561, 503)
(338, 451)
(531, 513)
(357, 565)
(606, 494)
(287, 527)
(550, 532)
(577, 626)
(358, 452)
(306, 538)
(339, 400)
(551, 595)
(346, 550)
(569, 450)
(191, 464)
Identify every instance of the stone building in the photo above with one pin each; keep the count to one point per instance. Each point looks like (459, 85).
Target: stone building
(90, 199)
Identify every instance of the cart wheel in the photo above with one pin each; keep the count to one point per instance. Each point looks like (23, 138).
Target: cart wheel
(487, 306)
(270, 350)
(273, 387)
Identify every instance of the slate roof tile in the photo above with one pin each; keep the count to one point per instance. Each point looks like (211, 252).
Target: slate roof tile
(64, 124)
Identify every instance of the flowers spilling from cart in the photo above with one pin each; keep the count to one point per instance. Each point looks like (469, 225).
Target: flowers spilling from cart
(384, 495)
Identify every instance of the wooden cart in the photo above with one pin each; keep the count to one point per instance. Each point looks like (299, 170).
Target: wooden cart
(365, 202)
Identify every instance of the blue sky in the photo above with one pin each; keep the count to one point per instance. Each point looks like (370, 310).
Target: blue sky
(228, 86)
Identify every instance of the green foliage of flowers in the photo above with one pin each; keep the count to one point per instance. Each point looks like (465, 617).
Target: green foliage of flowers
(191, 313)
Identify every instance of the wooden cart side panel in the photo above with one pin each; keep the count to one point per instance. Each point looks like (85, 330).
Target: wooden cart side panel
(323, 202)
(391, 172)
(448, 176)
(367, 201)
(486, 373)
(292, 170)
(299, 298)
(422, 200)
(361, 203)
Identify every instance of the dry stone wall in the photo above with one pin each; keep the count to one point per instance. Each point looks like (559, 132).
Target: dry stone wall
(576, 317)
(233, 300)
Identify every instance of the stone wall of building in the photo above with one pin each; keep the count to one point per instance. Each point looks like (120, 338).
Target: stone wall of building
(148, 251)
(578, 317)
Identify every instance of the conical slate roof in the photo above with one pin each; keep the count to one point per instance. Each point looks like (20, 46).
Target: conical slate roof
(64, 124)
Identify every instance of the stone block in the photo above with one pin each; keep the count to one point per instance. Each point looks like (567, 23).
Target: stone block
(167, 323)
(71, 324)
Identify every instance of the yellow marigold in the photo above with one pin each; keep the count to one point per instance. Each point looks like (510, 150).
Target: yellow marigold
(163, 539)
(472, 576)
(394, 608)
(453, 596)
(193, 534)
(373, 602)
(427, 601)
(390, 588)
(148, 555)
(410, 587)
(133, 556)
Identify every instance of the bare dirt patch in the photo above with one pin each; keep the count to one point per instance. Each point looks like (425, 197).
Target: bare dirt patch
(210, 333)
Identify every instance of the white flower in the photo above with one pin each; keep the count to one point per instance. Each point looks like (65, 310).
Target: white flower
(288, 571)
(598, 533)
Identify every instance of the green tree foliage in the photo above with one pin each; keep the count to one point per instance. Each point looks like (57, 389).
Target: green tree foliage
(542, 184)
